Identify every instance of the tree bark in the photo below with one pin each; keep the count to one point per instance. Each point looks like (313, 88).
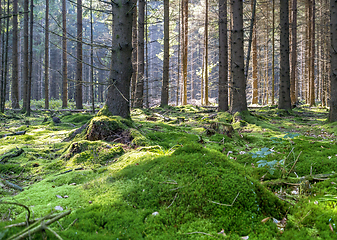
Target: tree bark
(15, 63)
(223, 56)
(293, 56)
(166, 62)
(121, 66)
(333, 52)
(79, 80)
(255, 97)
(284, 92)
(64, 56)
(140, 70)
(184, 48)
(46, 58)
(206, 53)
(25, 54)
(134, 58)
(239, 102)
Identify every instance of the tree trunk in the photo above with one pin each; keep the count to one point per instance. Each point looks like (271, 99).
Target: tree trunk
(284, 91)
(293, 57)
(239, 102)
(64, 56)
(333, 52)
(255, 97)
(46, 58)
(206, 53)
(121, 67)
(312, 51)
(79, 81)
(30, 71)
(134, 58)
(166, 62)
(273, 57)
(184, 48)
(25, 54)
(15, 63)
(223, 56)
(140, 56)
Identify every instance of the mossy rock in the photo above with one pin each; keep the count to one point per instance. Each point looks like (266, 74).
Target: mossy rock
(115, 129)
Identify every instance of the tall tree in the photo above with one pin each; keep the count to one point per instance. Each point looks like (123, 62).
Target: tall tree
(25, 53)
(140, 55)
(92, 59)
(293, 57)
(333, 52)
(206, 53)
(223, 56)
(239, 102)
(184, 44)
(46, 58)
(30, 70)
(134, 57)
(118, 96)
(284, 91)
(166, 62)
(64, 56)
(255, 98)
(79, 81)
(312, 53)
(15, 60)
(273, 56)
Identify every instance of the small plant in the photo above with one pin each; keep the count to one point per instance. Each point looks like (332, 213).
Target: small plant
(271, 165)
(285, 137)
(261, 154)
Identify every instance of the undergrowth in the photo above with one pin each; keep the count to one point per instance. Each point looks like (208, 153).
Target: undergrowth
(182, 172)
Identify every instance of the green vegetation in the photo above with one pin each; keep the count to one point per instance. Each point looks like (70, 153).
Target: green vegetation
(172, 173)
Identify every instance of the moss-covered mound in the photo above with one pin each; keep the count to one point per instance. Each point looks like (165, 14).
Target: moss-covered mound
(109, 129)
(167, 197)
(89, 152)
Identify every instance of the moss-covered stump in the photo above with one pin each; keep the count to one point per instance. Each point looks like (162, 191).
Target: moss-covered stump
(90, 153)
(113, 129)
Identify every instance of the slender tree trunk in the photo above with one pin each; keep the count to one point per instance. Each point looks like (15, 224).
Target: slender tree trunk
(255, 97)
(25, 53)
(284, 92)
(4, 65)
(166, 62)
(92, 60)
(15, 64)
(30, 70)
(273, 58)
(79, 80)
(223, 56)
(179, 45)
(140, 56)
(64, 56)
(206, 53)
(333, 52)
(293, 56)
(184, 49)
(134, 58)
(239, 102)
(46, 58)
(121, 67)
(312, 57)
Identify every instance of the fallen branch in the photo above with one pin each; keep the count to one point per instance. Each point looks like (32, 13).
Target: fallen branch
(201, 233)
(173, 200)
(12, 185)
(17, 153)
(18, 204)
(13, 134)
(43, 226)
(22, 224)
(227, 205)
(294, 164)
(163, 117)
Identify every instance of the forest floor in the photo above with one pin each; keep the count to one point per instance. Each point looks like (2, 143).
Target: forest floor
(169, 173)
